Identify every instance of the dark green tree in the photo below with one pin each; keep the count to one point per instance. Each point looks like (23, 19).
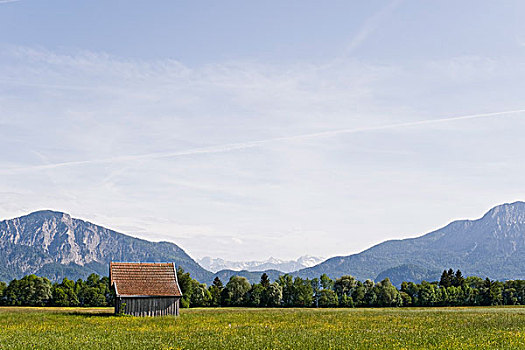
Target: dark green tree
(215, 292)
(406, 299)
(459, 280)
(91, 296)
(237, 289)
(328, 298)
(370, 298)
(265, 285)
(427, 294)
(491, 293)
(186, 285)
(387, 294)
(447, 278)
(265, 281)
(256, 295)
(326, 282)
(286, 283)
(358, 295)
(412, 290)
(109, 292)
(94, 291)
(3, 287)
(302, 293)
(474, 282)
(30, 290)
(64, 294)
(344, 286)
(316, 288)
(274, 295)
(200, 296)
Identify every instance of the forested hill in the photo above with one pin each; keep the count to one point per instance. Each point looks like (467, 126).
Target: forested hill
(55, 245)
(492, 246)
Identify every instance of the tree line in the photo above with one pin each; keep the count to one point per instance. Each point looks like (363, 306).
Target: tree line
(346, 291)
(32, 290)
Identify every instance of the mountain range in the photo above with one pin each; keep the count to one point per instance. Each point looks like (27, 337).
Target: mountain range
(285, 266)
(55, 245)
(492, 246)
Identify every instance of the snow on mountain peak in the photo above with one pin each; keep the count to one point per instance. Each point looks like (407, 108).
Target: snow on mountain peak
(217, 264)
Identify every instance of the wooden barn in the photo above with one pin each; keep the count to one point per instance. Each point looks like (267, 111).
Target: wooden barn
(145, 289)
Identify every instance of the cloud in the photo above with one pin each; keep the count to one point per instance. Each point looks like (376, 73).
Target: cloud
(260, 143)
(371, 25)
(258, 150)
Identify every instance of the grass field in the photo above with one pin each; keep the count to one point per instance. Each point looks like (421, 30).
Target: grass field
(428, 328)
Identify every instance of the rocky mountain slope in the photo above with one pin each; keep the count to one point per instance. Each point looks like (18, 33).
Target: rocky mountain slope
(492, 246)
(55, 245)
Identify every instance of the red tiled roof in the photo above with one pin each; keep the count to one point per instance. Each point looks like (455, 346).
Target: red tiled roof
(144, 279)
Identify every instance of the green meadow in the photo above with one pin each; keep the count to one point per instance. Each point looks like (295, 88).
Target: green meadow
(244, 328)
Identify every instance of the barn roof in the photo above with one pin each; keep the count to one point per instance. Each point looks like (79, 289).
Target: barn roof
(144, 279)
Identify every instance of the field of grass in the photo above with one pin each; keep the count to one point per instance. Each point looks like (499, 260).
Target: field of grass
(423, 328)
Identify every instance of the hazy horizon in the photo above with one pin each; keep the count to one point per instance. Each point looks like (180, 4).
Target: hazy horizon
(247, 130)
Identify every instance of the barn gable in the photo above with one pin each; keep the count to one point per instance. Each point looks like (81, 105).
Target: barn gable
(145, 289)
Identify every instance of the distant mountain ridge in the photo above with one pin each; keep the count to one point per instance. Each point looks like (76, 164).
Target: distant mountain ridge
(55, 245)
(492, 246)
(409, 273)
(286, 266)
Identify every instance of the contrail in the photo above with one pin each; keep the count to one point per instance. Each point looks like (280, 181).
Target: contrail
(252, 144)
(371, 25)
(8, 1)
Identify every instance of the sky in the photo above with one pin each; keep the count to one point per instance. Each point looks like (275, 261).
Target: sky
(244, 130)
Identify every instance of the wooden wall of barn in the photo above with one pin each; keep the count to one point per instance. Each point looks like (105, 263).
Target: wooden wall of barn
(148, 306)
